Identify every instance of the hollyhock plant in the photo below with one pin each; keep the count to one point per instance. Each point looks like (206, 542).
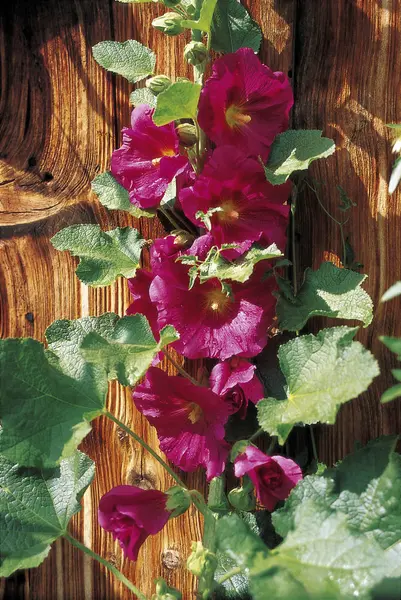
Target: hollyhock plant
(131, 515)
(235, 380)
(244, 103)
(148, 159)
(189, 420)
(139, 288)
(273, 476)
(250, 209)
(210, 322)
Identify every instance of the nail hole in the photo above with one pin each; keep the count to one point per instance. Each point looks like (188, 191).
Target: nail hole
(29, 317)
(31, 162)
(289, 73)
(47, 176)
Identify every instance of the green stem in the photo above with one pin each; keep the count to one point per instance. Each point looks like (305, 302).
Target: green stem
(199, 502)
(314, 448)
(229, 574)
(147, 447)
(106, 564)
(272, 444)
(169, 217)
(180, 369)
(256, 434)
(293, 240)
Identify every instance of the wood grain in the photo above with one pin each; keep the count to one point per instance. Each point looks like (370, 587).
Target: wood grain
(60, 118)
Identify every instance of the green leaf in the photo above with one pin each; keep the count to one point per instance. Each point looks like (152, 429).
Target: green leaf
(328, 292)
(233, 28)
(129, 351)
(393, 292)
(45, 413)
(295, 150)
(215, 266)
(365, 486)
(143, 96)
(179, 101)
(205, 18)
(104, 255)
(322, 372)
(137, 1)
(130, 59)
(36, 507)
(114, 197)
(395, 176)
(393, 344)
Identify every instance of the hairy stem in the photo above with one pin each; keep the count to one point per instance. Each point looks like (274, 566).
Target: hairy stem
(229, 574)
(142, 442)
(314, 448)
(106, 564)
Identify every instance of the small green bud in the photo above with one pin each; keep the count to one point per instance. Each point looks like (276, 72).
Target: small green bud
(187, 134)
(179, 501)
(169, 23)
(242, 498)
(171, 3)
(158, 84)
(202, 562)
(195, 53)
(217, 499)
(164, 592)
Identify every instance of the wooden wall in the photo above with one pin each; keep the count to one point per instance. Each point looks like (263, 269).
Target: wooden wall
(60, 119)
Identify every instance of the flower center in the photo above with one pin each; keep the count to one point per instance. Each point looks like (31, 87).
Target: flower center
(235, 116)
(216, 301)
(164, 152)
(229, 212)
(195, 413)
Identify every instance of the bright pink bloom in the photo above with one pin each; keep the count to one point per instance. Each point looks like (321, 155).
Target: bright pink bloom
(148, 159)
(235, 380)
(273, 476)
(189, 420)
(141, 303)
(211, 323)
(251, 209)
(131, 515)
(244, 103)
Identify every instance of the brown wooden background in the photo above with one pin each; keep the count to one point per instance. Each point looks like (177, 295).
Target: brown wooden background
(60, 119)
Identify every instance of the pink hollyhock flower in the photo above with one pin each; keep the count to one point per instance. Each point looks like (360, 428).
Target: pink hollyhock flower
(273, 476)
(139, 288)
(250, 208)
(244, 103)
(189, 420)
(236, 382)
(131, 515)
(210, 322)
(148, 159)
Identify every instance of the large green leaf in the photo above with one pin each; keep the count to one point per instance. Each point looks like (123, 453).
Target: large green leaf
(104, 255)
(205, 18)
(45, 412)
(328, 292)
(129, 351)
(295, 150)
(114, 197)
(233, 28)
(130, 59)
(178, 101)
(143, 96)
(36, 507)
(322, 372)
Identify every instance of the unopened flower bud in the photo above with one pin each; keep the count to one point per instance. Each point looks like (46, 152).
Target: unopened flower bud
(164, 592)
(179, 500)
(186, 134)
(201, 562)
(158, 84)
(195, 53)
(242, 498)
(169, 23)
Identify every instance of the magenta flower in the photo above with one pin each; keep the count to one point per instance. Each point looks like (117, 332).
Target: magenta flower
(210, 322)
(244, 103)
(131, 515)
(189, 420)
(250, 208)
(148, 159)
(273, 476)
(141, 303)
(235, 380)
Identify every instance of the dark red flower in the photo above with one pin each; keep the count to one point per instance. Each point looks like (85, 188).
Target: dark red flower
(236, 382)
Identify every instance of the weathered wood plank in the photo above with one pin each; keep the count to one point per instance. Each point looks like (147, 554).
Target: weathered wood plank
(348, 83)
(60, 118)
